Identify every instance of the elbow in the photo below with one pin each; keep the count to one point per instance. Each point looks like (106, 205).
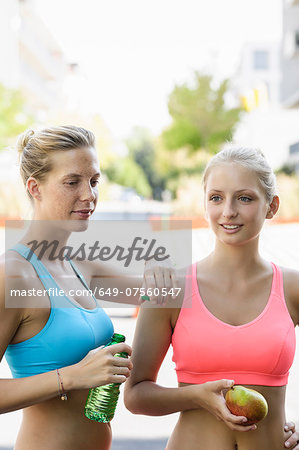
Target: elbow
(129, 403)
(131, 400)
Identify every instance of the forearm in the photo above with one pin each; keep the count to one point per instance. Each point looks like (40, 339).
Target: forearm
(19, 393)
(99, 367)
(118, 289)
(150, 399)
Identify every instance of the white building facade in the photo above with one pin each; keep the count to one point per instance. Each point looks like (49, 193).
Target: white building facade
(34, 62)
(290, 55)
(267, 83)
(290, 70)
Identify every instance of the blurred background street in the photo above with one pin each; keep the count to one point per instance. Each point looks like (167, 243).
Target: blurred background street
(160, 104)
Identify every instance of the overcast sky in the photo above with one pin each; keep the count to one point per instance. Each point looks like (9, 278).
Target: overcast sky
(132, 52)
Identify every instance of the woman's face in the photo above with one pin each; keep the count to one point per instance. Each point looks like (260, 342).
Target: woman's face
(70, 190)
(235, 202)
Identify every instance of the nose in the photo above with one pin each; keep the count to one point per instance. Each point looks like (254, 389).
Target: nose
(88, 193)
(229, 209)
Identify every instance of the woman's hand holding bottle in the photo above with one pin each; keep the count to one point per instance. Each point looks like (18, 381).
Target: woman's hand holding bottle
(99, 367)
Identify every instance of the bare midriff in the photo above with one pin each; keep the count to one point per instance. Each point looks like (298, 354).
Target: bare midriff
(62, 425)
(200, 430)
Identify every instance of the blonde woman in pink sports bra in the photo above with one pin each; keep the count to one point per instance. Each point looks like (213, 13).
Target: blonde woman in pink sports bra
(239, 328)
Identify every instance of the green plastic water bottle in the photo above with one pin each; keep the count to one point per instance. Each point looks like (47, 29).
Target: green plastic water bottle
(102, 400)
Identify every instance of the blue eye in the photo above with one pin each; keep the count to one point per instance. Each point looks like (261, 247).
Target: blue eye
(215, 198)
(245, 199)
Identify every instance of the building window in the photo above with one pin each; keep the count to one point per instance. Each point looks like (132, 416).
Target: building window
(261, 60)
(294, 148)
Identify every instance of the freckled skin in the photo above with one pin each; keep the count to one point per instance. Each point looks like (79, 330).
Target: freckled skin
(246, 402)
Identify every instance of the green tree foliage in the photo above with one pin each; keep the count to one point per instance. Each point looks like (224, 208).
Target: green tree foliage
(126, 172)
(287, 169)
(200, 118)
(13, 117)
(141, 149)
(178, 165)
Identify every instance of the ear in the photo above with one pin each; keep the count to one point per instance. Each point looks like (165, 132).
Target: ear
(273, 207)
(33, 188)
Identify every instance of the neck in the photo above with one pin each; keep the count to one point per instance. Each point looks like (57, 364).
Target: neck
(236, 259)
(46, 232)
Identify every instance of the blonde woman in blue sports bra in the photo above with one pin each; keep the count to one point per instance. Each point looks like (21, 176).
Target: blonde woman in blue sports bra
(55, 346)
(236, 324)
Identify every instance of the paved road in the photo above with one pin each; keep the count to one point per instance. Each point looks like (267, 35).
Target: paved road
(130, 444)
(278, 243)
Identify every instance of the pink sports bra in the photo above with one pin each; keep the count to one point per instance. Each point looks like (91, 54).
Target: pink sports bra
(260, 352)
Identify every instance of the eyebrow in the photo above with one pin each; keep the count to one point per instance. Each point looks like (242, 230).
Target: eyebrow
(77, 175)
(239, 190)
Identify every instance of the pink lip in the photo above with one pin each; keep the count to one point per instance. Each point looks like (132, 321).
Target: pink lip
(84, 213)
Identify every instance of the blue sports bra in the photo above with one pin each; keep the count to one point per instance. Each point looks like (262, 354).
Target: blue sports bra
(69, 334)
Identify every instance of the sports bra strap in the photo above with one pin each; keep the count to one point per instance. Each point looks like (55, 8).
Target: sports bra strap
(42, 272)
(277, 287)
(79, 274)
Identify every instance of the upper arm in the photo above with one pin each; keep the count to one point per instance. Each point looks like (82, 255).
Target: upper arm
(151, 342)
(10, 318)
(291, 289)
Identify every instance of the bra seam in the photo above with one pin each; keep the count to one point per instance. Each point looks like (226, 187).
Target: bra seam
(245, 372)
(89, 326)
(282, 347)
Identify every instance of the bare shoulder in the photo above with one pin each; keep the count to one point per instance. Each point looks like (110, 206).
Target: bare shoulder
(18, 277)
(155, 323)
(14, 271)
(16, 265)
(166, 316)
(291, 280)
(10, 318)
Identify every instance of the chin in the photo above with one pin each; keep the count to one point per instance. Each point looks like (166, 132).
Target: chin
(78, 225)
(72, 225)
